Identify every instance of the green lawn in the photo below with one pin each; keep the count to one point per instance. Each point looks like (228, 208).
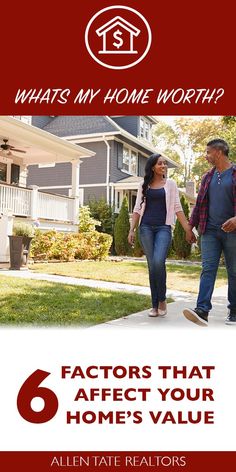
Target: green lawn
(179, 277)
(38, 303)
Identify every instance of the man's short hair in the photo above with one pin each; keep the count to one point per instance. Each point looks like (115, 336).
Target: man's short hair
(219, 144)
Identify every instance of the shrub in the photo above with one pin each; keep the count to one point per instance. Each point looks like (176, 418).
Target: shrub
(86, 222)
(101, 211)
(137, 250)
(121, 230)
(42, 244)
(182, 248)
(68, 246)
(23, 229)
(93, 245)
(64, 247)
(171, 252)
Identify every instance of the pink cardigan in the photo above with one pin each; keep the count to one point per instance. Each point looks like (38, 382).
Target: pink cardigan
(173, 204)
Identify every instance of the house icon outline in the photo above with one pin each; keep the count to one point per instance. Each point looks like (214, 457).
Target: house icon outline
(118, 21)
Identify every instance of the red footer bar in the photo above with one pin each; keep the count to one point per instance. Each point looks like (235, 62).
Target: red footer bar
(116, 461)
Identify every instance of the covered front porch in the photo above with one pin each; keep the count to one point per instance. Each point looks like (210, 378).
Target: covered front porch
(125, 188)
(22, 145)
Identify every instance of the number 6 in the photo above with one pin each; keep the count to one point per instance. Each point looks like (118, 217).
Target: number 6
(29, 390)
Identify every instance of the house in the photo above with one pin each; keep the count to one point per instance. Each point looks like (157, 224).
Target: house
(118, 36)
(22, 145)
(121, 146)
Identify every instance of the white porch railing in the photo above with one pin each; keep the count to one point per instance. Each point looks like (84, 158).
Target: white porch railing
(55, 207)
(36, 204)
(15, 199)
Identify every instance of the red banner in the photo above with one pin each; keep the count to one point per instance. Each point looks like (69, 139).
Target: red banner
(110, 461)
(135, 58)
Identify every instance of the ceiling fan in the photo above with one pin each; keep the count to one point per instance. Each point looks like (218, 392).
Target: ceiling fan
(7, 147)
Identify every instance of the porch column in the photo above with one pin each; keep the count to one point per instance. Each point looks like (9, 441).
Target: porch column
(6, 225)
(75, 178)
(34, 202)
(112, 194)
(23, 175)
(75, 189)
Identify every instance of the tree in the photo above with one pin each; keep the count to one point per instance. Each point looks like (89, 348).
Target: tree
(121, 230)
(188, 140)
(102, 211)
(137, 248)
(86, 222)
(229, 134)
(165, 138)
(225, 129)
(182, 248)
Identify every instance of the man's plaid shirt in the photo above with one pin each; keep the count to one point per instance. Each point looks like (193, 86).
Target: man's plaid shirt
(200, 212)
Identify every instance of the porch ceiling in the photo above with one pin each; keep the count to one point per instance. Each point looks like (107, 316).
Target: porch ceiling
(40, 146)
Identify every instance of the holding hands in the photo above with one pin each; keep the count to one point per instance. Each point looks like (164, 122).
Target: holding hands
(189, 235)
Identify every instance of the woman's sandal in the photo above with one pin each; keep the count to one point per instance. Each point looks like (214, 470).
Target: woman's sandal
(162, 312)
(153, 313)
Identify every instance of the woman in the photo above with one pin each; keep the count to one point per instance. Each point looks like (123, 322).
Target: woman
(156, 205)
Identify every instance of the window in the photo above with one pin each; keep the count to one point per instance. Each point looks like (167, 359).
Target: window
(3, 172)
(125, 159)
(145, 129)
(133, 163)
(130, 161)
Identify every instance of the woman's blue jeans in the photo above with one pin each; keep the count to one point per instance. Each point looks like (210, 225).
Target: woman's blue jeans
(156, 241)
(213, 243)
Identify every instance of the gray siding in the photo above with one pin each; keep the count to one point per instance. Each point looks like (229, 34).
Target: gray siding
(141, 165)
(50, 176)
(93, 169)
(129, 123)
(116, 153)
(58, 191)
(94, 193)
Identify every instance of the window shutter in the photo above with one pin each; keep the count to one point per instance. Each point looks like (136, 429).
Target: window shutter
(119, 155)
(138, 164)
(15, 174)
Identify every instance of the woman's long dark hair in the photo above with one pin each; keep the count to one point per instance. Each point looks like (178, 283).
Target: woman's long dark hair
(151, 162)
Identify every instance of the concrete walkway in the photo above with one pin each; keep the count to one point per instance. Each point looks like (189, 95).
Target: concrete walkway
(140, 320)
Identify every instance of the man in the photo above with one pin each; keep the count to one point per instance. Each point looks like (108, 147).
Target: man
(215, 215)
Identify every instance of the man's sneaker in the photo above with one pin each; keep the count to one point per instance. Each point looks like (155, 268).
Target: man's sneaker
(197, 316)
(231, 318)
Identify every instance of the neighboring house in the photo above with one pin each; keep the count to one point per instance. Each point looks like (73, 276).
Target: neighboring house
(121, 145)
(22, 145)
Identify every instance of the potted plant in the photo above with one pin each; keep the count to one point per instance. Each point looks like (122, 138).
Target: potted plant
(20, 242)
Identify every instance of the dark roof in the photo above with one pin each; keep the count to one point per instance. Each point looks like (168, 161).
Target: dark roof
(79, 125)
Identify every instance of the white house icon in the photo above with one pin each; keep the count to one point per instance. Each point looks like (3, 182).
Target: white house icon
(118, 36)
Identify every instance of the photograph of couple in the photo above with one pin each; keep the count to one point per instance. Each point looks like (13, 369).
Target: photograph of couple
(214, 214)
(99, 212)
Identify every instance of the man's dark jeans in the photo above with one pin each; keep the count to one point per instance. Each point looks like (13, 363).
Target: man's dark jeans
(156, 242)
(213, 243)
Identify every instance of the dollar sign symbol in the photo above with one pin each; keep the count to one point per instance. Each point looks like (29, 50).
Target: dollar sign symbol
(117, 35)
